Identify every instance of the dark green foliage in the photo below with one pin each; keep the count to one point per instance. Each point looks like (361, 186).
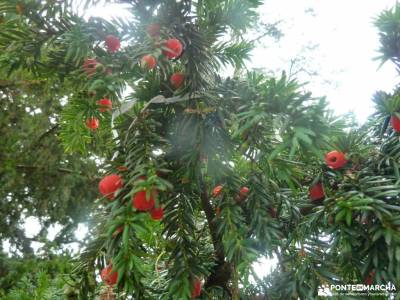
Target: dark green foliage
(388, 24)
(34, 278)
(37, 177)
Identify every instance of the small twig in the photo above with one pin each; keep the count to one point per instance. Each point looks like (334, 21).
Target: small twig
(62, 170)
(44, 134)
(210, 215)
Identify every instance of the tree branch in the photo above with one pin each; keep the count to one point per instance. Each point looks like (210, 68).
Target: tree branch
(61, 170)
(222, 271)
(44, 134)
(210, 215)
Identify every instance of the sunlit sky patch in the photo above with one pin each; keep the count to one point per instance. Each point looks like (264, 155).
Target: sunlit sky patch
(343, 42)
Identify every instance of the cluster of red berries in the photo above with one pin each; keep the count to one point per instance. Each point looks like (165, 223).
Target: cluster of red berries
(90, 67)
(141, 201)
(243, 193)
(105, 105)
(334, 160)
(337, 160)
(171, 48)
(108, 276)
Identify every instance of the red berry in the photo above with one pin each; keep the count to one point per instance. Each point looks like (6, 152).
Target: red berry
(395, 121)
(173, 48)
(335, 159)
(105, 104)
(109, 276)
(244, 191)
(109, 185)
(217, 211)
(272, 212)
(242, 194)
(370, 278)
(112, 43)
(141, 202)
(92, 123)
(316, 192)
(148, 62)
(153, 30)
(217, 191)
(157, 213)
(89, 66)
(118, 231)
(196, 289)
(177, 80)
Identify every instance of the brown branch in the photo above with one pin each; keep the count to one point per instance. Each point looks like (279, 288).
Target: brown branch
(61, 170)
(44, 134)
(222, 271)
(210, 216)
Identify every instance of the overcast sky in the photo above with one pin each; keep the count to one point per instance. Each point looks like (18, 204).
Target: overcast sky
(345, 42)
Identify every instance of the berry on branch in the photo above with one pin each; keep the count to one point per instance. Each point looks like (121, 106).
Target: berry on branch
(92, 123)
(90, 66)
(173, 48)
(113, 43)
(104, 104)
(335, 159)
(157, 213)
(118, 231)
(109, 276)
(196, 288)
(217, 211)
(148, 62)
(217, 191)
(316, 192)
(370, 278)
(273, 213)
(395, 121)
(244, 191)
(109, 185)
(177, 80)
(143, 203)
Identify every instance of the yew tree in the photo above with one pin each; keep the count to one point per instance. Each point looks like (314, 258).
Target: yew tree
(204, 167)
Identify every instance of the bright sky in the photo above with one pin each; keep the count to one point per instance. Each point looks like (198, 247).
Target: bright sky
(346, 45)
